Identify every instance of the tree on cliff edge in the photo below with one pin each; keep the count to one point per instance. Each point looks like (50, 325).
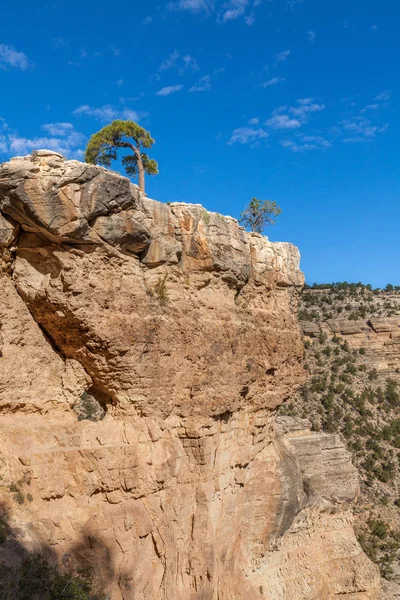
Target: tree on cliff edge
(259, 213)
(103, 147)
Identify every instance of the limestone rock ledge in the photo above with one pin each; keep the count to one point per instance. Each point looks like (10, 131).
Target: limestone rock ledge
(182, 327)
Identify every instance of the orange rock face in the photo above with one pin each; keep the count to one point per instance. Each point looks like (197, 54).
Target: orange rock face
(180, 329)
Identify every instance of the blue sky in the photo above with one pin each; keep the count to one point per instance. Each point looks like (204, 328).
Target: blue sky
(291, 100)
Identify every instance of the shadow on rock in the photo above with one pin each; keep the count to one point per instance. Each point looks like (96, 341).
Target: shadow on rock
(85, 572)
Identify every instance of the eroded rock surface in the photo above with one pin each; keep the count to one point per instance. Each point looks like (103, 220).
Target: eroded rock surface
(182, 328)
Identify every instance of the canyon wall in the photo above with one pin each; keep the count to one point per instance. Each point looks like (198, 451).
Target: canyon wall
(144, 349)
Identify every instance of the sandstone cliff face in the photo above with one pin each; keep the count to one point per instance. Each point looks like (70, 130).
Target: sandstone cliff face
(182, 330)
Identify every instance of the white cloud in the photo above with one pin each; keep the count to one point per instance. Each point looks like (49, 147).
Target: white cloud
(383, 96)
(62, 137)
(169, 89)
(170, 62)
(247, 135)
(58, 129)
(250, 19)
(147, 21)
(272, 81)
(307, 142)
(203, 85)
(311, 36)
(282, 121)
(189, 63)
(254, 121)
(9, 57)
(303, 101)
(194, 6)
(234, 9)
(370, 107)
(108, 113)
(360, 129)
(306, 107)
(281, 56)
(120, 82)
(182, 64)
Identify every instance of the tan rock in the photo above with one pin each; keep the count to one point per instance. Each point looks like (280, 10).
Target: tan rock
(8, 231)
(183, 328)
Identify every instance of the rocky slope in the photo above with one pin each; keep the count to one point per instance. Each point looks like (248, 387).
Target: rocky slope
(352, 340)
(144, 350)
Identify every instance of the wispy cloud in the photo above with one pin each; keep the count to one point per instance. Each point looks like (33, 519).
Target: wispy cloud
(311, 36)
(60, 137)
(272, 81)
(360, 129)
(170, 62)
(169, 89)
(305, 108)
(181, 63)
(3, 144)
(250, 19)
(226, 11)
(58, 42)
(293, 3)
(254, 121)
(365, 124)
(194, 6)
(109, 113)
(383, 96)
(234, 9)
(247, 135)
(306, 142)
(114, 50)
(10, 58)
(147, 21)
(203, 85)
(281, 57)
(370, 107)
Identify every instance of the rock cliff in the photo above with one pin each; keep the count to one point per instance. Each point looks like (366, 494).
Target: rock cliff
(144, 350)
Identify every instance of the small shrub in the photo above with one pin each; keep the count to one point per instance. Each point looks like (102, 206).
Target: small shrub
(161, 289)
(17, 493)
(373, 375)
(88, 408)
(206, 216)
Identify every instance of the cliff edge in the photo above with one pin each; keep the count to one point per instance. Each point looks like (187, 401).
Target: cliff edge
(144, 349)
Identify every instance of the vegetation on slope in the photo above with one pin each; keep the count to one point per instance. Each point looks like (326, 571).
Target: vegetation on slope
(348, 395)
